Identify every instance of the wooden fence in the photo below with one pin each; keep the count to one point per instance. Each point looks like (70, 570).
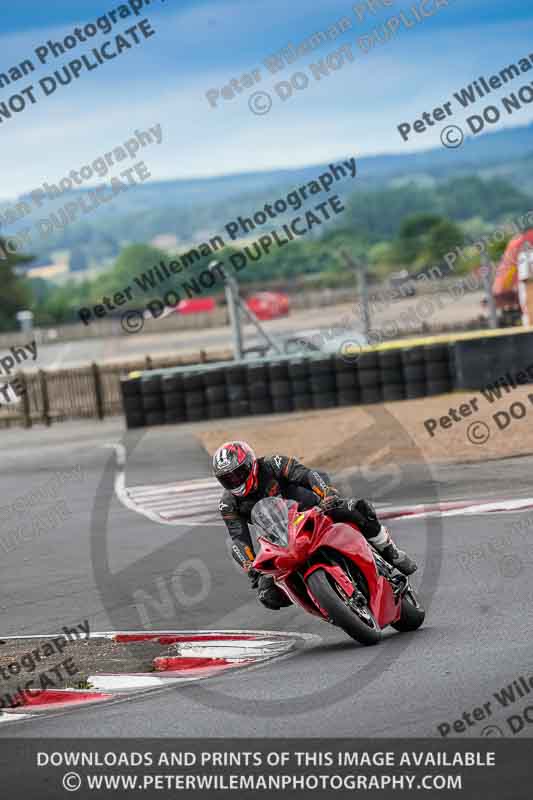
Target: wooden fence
(91, 392)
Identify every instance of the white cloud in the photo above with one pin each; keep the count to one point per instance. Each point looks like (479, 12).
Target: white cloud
(354, 110)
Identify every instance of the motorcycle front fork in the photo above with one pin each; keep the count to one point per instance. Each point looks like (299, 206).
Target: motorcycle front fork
(398, 582)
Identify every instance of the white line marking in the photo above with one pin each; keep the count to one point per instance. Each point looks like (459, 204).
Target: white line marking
(501, 506)
(232, 650)
(11, 716)
(175, 488)
(188, 502)
(187, 513)
(121, 491)
(127, 682)
(192, 507)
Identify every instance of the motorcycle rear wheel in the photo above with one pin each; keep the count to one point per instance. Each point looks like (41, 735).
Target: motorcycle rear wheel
(361, 626)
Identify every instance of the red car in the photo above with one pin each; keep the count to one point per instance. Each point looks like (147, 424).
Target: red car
(268, 305)
(196, 305)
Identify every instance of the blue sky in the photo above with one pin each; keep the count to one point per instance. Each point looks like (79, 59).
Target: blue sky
(202, 45)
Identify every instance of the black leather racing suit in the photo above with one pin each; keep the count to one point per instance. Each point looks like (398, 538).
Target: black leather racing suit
(285, 476)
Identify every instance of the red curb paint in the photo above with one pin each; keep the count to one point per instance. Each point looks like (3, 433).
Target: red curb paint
(168, 667)
(49, 696)
(178, 663)
(171, 639)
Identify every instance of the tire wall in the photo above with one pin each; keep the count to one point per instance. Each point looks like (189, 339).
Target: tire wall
(293, 383)
(478, 362)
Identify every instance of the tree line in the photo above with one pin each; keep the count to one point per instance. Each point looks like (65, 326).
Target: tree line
(410, 227)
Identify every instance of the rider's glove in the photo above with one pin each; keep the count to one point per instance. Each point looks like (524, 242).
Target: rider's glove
(253, 577)
(330, 502)
(366, 509)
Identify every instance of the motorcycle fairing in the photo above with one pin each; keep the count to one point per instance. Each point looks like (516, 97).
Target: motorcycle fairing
(307, 533)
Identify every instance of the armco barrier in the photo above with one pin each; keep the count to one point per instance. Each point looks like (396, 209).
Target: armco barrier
(237, 389)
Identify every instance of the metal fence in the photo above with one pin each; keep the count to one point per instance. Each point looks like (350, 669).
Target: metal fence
(91, 392)
(299, 300)
(105, 328)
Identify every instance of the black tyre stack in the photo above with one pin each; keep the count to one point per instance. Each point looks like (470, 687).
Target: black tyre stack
(285, 385)
(173, 398)
(259, 389)
(152, 400)
(299, 379)
(391, 375)
(132, 402)
(280, 386)
(347, 381)
(237, 391)
(194, 396)
(216, 394)
(414, 372)
(322, 382)
(369, 376)
(437, 360)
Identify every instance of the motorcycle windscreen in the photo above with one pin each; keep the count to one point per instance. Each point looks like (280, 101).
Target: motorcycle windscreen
(272, 516)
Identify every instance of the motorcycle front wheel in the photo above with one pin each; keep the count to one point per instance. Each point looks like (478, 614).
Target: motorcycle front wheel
(412, 614)
(355, 620)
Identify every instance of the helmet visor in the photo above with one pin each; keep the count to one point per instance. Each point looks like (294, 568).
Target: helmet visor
(236, 478)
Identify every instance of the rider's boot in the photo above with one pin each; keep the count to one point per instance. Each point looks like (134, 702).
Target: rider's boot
(271, 595)
(391, 553)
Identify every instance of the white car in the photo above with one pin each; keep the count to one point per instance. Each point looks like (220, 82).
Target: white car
(346, 343)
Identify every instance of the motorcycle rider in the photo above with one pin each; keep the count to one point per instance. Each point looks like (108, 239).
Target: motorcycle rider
(248, 479)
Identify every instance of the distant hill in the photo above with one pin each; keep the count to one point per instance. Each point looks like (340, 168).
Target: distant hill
(186, 207)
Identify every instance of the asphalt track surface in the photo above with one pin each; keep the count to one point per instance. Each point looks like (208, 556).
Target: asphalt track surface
(476, 639)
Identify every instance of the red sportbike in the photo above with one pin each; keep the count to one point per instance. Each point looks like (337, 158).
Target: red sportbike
(331, 571)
